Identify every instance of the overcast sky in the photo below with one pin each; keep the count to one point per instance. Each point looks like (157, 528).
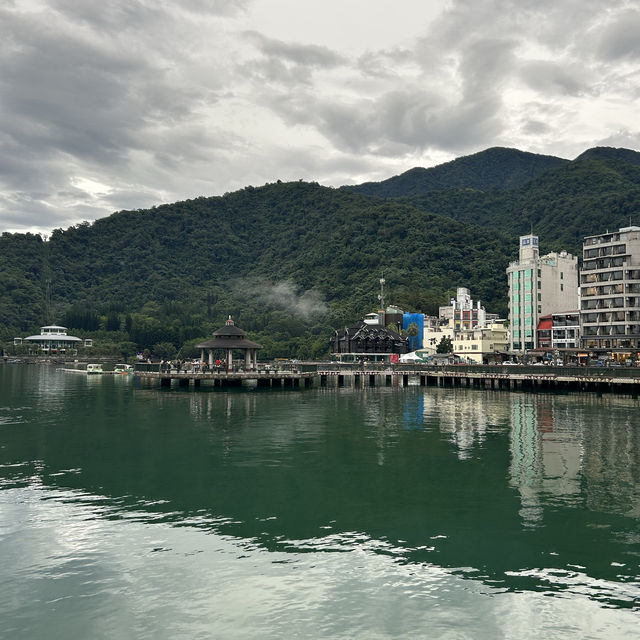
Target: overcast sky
(124, 104)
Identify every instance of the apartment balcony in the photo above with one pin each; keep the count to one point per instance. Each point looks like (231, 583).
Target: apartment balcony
(607, 238)
(601, 264)
(596, 304)
(613, 331)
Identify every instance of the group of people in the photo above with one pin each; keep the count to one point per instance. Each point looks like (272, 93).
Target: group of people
(187, 365)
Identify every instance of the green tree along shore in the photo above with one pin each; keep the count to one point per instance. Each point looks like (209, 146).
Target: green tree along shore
(294, 261)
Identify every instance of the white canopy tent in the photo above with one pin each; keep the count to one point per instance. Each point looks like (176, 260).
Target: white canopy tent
(410, 357)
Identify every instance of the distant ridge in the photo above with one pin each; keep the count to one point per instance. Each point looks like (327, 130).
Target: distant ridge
(600, 189)
(494, 168)
(610, 153)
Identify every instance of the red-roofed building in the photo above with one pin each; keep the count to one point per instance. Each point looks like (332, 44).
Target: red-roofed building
(543, 332)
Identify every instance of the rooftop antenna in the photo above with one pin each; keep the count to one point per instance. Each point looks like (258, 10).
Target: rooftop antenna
(381, 294)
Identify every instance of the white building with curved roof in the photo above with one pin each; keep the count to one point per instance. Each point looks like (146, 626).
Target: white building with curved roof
(54, 339)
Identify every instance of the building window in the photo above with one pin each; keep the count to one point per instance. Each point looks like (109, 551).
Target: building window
(561, 276)
(539, 309)
(539, 297)
(561, 287)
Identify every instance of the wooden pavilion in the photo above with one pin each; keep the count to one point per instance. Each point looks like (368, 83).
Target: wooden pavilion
(229, 339)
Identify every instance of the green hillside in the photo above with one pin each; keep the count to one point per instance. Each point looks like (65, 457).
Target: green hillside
(290, 262)
(611, 153)
(294, 261)
(584, 197)
(495, 168)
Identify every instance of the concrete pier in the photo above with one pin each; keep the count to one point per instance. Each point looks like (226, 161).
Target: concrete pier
(504, 378)
(265, 378)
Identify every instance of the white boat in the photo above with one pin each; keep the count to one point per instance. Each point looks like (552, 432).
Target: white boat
(123, 369)
(94, 368)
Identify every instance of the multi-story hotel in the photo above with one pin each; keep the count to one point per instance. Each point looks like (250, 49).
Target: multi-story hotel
(462, 314)
(610, 292)
(538, 286)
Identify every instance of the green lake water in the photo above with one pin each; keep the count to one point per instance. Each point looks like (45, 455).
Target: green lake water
(131, 511)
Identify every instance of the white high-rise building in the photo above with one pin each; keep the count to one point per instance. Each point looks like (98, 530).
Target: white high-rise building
(538, 286)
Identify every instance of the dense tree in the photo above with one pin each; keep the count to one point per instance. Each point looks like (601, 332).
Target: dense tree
(164, 350)
(445, 345)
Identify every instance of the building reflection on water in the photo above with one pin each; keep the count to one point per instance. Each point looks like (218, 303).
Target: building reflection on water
(563, 449)
(574, 449)
(465, 417)
(611, 466)
(544, 462)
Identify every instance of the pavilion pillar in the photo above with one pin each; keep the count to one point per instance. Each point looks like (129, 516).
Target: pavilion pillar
(255, 358)
(211, 358)
(229, 360)
(201, 355)
(247, 359)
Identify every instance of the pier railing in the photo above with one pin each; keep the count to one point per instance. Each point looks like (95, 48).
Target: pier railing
(275, 367)
(401, 368)
(564, 371)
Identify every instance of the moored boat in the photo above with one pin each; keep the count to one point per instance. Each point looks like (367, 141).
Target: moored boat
(123, 369)
(94, 369)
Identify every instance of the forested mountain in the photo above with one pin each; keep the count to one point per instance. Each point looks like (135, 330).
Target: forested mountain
(495, 168)
(289, 261)
(594, 192)
(293, 261)
(611, 153)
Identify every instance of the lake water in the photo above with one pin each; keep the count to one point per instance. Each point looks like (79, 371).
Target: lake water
(131, 511)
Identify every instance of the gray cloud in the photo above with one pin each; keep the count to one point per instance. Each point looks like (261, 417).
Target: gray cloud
(294, 53)
(485, 64)
(397, 122)
(619, 40)
(127, 103)
(535, 127)
(551, 78)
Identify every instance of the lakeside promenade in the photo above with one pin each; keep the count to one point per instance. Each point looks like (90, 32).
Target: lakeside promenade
(515, 377)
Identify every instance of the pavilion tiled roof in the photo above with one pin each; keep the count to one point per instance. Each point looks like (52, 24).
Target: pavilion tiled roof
(229, 337)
